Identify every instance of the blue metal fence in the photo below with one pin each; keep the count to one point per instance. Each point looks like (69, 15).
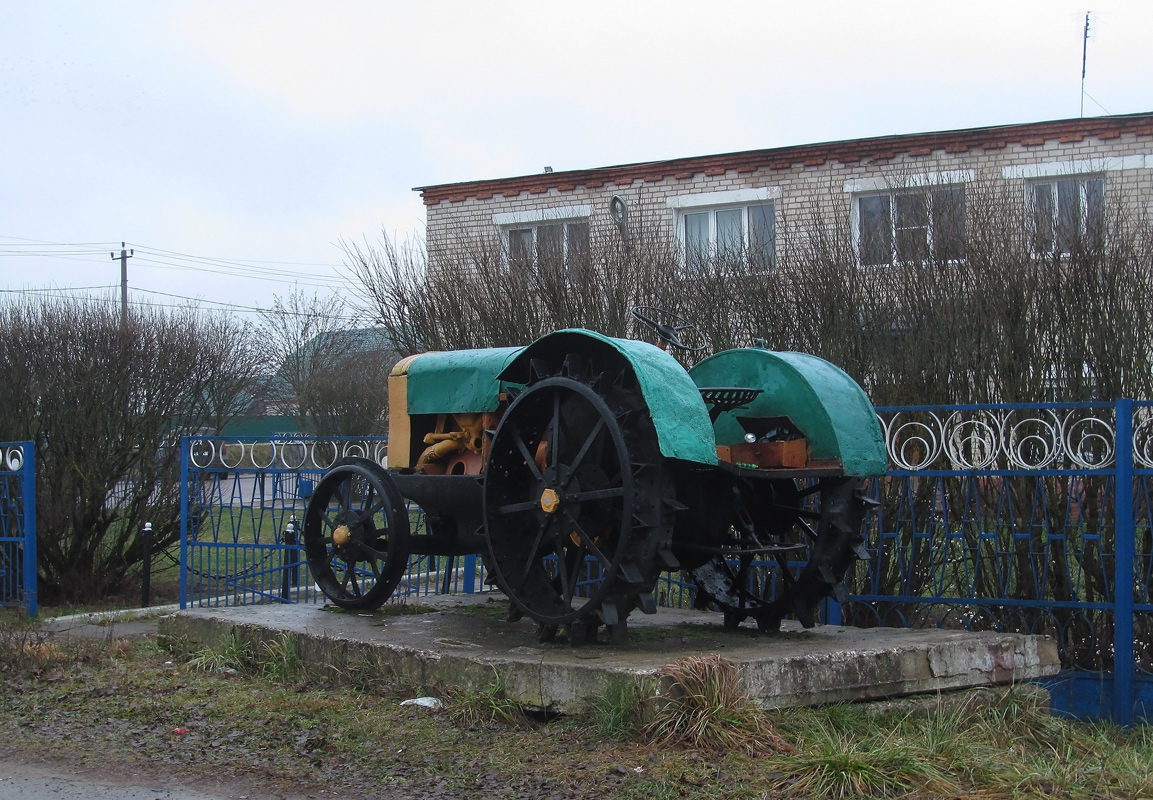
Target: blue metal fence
(242, 501)
(18, 525)
(1030, 518)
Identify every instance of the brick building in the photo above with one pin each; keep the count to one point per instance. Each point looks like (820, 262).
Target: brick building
(900, 197)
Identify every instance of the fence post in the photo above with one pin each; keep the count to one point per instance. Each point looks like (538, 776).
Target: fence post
(832, 612)
(289, 573)
(1123, 578)
(184, 447)
(146, 565)
(447, 565)
(28, 492)
(470, 573)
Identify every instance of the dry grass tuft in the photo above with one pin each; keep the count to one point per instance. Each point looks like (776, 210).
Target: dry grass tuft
(41, 652)
(706, 708)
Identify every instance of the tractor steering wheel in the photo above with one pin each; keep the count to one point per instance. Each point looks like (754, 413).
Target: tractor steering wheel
(671, 328)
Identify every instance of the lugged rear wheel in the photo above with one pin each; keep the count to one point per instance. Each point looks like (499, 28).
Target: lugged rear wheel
(789, 526)
(568, 497)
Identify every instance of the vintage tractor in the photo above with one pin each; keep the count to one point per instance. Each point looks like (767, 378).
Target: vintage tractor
(582, 466)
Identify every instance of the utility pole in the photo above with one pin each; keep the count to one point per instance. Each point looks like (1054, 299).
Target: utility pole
(124, 256)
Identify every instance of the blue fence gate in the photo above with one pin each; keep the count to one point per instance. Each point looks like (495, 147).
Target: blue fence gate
(18, 525)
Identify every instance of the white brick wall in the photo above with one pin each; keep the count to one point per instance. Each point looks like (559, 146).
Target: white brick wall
(799, 186)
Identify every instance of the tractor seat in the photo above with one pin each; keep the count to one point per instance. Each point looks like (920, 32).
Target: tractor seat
(727, 398)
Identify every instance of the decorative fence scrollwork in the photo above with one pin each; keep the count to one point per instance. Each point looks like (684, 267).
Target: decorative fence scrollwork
(244, 501)
(1143, 436)
(282, 454)
(1011, 437)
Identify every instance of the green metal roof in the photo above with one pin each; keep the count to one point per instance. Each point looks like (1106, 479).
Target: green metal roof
(678, 413)
(822, 400)
(457, 381)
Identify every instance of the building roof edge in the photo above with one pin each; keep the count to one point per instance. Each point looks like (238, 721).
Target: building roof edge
(845, 150)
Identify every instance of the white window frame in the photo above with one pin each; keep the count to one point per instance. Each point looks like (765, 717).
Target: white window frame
(713, 202)
(894, 187)
(1054, 233)
(1076, 169)
(535, 219)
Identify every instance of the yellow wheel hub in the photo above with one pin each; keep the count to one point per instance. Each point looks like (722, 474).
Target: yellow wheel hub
(341, 535)
(549, 501)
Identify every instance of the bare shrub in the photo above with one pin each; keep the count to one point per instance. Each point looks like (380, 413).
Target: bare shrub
(105, 401)
(477, 295)
(331, 376)
(986, 319)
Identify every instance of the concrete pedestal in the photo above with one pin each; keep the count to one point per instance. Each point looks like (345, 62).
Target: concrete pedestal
(464, 642)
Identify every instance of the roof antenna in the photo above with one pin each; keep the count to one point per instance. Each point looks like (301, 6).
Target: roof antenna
(1084, 55)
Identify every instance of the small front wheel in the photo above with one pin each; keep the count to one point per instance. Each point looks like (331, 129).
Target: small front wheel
(356, 534)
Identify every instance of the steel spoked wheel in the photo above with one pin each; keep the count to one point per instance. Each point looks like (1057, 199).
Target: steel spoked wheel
(558, 501)
(829, 530)
(356, 534)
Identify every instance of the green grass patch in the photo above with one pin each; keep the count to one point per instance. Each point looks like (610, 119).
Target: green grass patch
(484, 707)
(620, 712)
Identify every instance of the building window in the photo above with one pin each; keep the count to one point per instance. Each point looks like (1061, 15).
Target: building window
(736, 223)
(1067, 212)
(549, 246)
(546, 239)
(729, 233)
(911, 225)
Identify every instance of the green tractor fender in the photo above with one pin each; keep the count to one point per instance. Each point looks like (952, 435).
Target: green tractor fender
(678, 413)
(823, 402)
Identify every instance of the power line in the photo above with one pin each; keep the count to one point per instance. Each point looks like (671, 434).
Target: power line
(234, 306)
(101, 245)
(149, 304)
(192, 300)
(250, 261)
(274, 277)
(49, 253)
(221, 304)
(49, 290)
(158, 258)
(252, 265)
(236, 269)
(219, 263)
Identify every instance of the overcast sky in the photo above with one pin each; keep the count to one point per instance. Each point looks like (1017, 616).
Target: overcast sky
(223, 140)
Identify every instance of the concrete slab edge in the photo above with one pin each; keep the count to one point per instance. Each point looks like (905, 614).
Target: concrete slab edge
(117, 615)
(869, 674)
